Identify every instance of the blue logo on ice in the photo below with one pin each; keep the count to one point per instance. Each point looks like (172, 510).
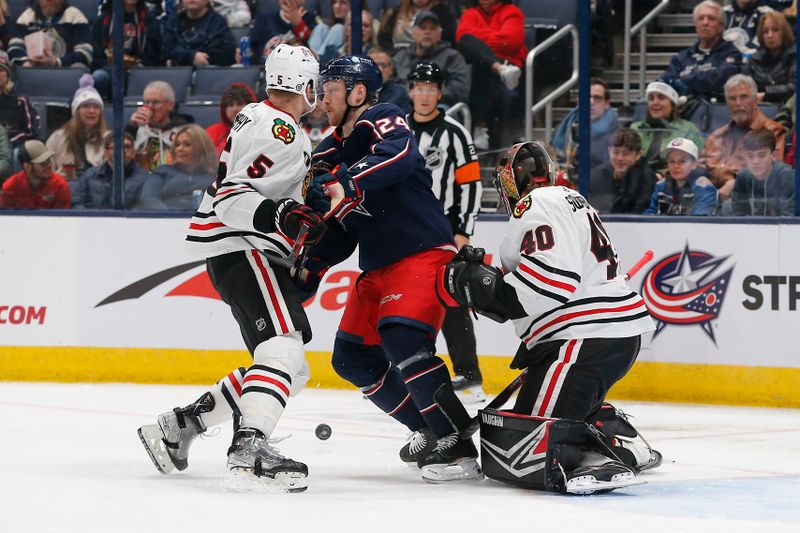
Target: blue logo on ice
(687, 288)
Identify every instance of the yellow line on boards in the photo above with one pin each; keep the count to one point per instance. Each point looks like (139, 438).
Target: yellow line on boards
(647, 381)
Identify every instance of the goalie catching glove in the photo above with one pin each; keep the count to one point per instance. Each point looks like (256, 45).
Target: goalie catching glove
(467, 282)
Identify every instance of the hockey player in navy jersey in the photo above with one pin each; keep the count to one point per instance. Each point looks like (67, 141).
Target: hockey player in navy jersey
(580, 326)
(248, 224)
(385, 344)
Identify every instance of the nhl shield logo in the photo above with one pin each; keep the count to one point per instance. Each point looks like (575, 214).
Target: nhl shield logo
(433, 157)
(283, 131)
(686, 289)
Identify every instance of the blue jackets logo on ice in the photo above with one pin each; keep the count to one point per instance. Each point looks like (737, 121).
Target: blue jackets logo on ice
(686, 289)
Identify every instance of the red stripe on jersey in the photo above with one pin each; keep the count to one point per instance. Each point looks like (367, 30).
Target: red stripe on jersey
(553, 380)
(223, 192)
(235, 382)
(204, 227)
(272, 296)
(267, 379)
(570, 316)
(543, 279)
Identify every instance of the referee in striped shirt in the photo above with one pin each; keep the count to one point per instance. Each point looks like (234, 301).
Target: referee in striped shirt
(450, 157)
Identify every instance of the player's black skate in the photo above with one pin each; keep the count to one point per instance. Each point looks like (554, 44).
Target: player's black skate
(250, 452)
(167, 442)
(629, 445)
(421, 443)
(600, 478)
(468, 390)
(453, 459)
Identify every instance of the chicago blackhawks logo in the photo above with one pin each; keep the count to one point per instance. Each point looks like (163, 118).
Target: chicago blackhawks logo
(283, 131)
(687, 288)
(522, 206)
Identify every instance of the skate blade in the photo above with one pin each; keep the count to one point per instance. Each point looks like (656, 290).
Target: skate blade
(151, 436)
(471, 395)
(283, 481)
(585, 485)
(465, 469)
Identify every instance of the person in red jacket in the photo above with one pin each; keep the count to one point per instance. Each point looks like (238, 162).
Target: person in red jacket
(236, 96)
(36, 186)
(491, 36)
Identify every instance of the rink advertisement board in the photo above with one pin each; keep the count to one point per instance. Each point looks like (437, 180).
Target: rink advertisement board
(721, 294)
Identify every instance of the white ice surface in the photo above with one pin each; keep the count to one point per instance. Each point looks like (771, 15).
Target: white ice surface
(70, 461)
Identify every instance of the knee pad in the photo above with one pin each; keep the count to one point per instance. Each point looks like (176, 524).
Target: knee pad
(362, 365)
(285, 354)
(535, 452)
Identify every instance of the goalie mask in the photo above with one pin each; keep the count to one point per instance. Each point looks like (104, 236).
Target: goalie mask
(525, 166)
(292, 69)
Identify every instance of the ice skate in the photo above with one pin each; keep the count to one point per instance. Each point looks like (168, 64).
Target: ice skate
(251, 453)
(167, 442)
(600, 478)
(468, 390)
(625, 440)
(453, 459)
(419, 444)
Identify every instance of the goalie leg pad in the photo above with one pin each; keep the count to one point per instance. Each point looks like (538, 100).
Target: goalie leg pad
(557, 455)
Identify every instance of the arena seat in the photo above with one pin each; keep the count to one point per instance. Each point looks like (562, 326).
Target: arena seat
(203, 114)
(180, 78)
(108, 112)
(550, 13)
(87, 7)
(238, 33)
(210, 82)
(49, 84)
(16, 7)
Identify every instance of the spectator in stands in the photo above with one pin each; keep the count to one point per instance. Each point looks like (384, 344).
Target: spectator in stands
(5, 24)
(396, 29)
(95, 187)
(368, 41)
(17, 115)
(723, 155)
(625, 183)
(764, 186)
(5, 155)
(773, 67)
(326, 39)
(180, 186)
(704, 67)
(491, 36)
(742, 18)
(604, 124)
(79, 144)
(198, 36)
(234, 98)
(429, 48)
(290, 20)
(56, 26)
(36, 186)
(662, 124)
(316, 125)
(153, 125)
(236, 12)
(394, 91)
(141, 44)
(683, 191)
(785, 115)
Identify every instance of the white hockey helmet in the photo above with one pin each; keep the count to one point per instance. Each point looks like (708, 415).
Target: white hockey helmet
(292, 69)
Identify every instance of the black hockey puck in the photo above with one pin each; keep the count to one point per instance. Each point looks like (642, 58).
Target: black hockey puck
(323, 432)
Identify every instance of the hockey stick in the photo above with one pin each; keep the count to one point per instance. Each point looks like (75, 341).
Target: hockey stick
(646, 258)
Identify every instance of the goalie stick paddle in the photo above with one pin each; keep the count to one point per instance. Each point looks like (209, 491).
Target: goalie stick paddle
(646, 258)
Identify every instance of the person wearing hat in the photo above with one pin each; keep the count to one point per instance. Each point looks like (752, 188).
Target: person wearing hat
(79, 144)
(663, 123)
(36, 186)
(395, 31)
(17, 115)
(682, 192)
(428, 47)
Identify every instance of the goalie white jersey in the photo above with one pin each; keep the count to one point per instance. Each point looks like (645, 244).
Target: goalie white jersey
(267, 156)
(564, 269)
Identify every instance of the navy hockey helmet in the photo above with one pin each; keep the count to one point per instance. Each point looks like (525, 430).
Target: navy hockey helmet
(429, 72)
(526, 166)
(351, 70)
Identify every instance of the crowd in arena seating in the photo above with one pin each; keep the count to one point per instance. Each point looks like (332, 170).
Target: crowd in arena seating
(744, 56)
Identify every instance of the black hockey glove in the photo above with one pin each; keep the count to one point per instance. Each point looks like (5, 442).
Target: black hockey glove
(308, 278)
(468, 284)
(470, 254)
(324, 176)
(290, 217)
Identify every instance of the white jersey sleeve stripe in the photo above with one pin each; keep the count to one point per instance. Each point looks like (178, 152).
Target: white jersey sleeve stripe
(545, 279)
(551, 269)
(544, 292)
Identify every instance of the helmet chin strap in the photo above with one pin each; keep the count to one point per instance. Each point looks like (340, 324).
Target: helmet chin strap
(350, 107)
(311, 105)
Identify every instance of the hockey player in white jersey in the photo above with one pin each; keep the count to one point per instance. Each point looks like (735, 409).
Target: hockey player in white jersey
(580, 326)
(250, 226)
